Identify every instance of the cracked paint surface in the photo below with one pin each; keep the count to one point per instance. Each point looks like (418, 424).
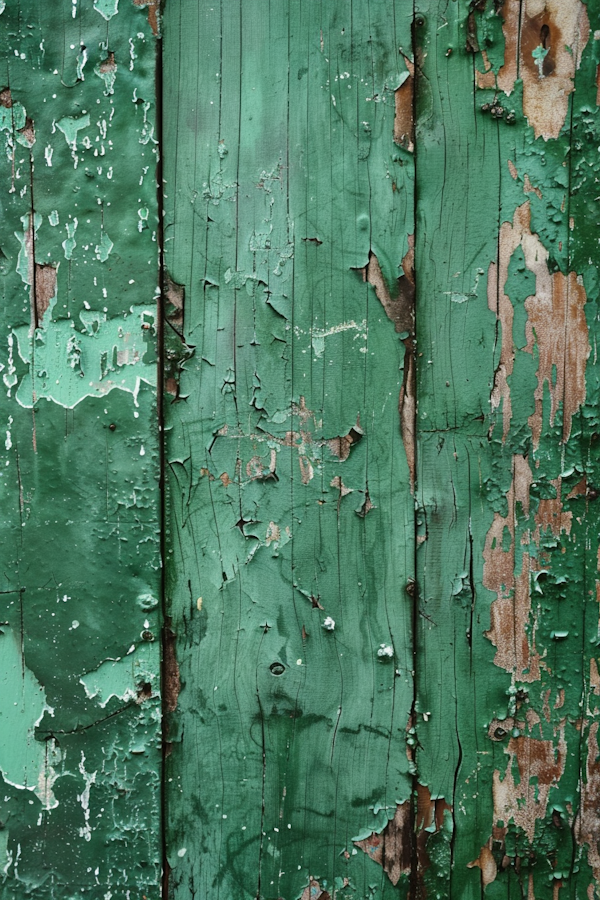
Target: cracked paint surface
(290, 515)
(507, 449)
(79, 707)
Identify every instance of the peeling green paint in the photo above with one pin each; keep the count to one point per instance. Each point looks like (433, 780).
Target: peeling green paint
(290, 516)
(80, 758)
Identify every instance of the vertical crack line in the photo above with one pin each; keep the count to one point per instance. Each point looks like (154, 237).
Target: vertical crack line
(414, 867)
(160, 421)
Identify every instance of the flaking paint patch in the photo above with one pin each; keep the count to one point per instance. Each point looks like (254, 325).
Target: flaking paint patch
(510, 612)
(391, 848)
(556, 326)
(543, 44)
(67, 363)
(486, 863)
(121, 677)
(22, 706)
(587, 824)
(534, 766)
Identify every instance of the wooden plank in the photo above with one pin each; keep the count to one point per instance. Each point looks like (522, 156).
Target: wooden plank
(80, 577)
(290, 517)
(506, 277)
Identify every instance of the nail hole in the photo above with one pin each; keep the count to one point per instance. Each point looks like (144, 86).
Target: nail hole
(277, 668)
(544, 35)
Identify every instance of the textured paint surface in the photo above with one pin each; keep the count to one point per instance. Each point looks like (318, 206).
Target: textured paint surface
(79, 581)
(506, 255)
(295, 244)
(289, 213)
(381, 658)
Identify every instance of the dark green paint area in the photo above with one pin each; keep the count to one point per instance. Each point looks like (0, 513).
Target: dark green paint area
(80, 576)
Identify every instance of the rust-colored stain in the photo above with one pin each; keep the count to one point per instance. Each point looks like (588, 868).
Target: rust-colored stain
(486, 862)
(391, 849)
(45, 290)
(171, 682)
(510, 612)
(545, 54)
(556, 325)
(522, 793)
(153, 11)
(404, 126)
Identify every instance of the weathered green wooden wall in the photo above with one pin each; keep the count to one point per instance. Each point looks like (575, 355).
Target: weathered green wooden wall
(80, 563)
(303, 764)
(381, 551)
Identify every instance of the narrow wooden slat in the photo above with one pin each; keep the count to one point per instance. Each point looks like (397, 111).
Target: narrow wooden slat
(289, 212)
(506, 274)
(79, 584)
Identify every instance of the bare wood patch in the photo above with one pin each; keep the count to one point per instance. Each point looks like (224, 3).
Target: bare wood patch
(45, 290)
(510, 612)
(556, 324)
(153, 8)
(540, 765)
(545, 54)
(391, 848)
(400, 309)
(486, 862)
(313, 891)
(404, 126)
(171, 684)
(587, 825)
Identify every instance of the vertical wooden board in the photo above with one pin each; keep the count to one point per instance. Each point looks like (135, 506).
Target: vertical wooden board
(507, 454)
(79, 707)
(290, 539)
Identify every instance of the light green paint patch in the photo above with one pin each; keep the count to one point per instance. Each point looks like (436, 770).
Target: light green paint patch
(53, 218)
(123, 677)
(104, 247)
(12, 118)
(67, 364)
(108, 76)
(22, 705)
(70, 243)
(318, 335)
(70, 126)
(82, 58)
(107, 8)
(26, 240)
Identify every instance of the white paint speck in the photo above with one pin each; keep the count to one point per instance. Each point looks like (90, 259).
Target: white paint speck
(328, 624)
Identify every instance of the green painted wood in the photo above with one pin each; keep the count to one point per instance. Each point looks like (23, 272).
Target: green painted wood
(507, 384)
(380, 655)
(80, 576)
(290, 539)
